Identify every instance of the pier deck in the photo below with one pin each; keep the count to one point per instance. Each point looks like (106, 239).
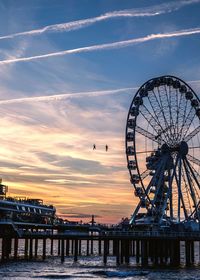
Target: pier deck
(142, 247)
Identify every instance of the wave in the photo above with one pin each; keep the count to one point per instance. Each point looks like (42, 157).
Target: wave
(119, 274)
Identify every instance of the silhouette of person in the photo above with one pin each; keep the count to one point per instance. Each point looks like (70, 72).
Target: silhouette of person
(106, 147)
(94, 147)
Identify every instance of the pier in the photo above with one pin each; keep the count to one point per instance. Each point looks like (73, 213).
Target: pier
(142, 248)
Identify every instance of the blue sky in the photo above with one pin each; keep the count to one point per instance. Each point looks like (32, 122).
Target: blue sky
(59, 104)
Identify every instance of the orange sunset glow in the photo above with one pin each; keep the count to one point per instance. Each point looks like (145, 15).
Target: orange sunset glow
(46, 152)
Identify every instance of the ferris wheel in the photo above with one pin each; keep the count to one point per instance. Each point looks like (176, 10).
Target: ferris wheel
(163, 152)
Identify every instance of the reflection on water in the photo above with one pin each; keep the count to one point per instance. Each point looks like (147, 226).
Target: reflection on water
(89, 267)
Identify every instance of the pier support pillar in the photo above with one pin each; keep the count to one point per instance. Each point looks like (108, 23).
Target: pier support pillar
(192, 251)
(36, 247)
(72, 247)
(67, 247)
(187, 253)
(87, 247)
(62, 250)
(127, 251)
(51, 246)
(58, 247)
(122, 251)
(144, 256)
(91, 244)
(133, 248)
(26, 249)
(79, 247)
(117, 252)
(105, 251)
(99, 246)
(31, 249)
(137, 251)
(16, 244)
(76, 250)
(44, 249)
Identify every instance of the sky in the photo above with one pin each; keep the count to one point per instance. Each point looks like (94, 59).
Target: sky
(68, 73)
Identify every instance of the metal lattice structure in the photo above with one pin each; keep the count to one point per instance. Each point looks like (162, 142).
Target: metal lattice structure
(163, 152)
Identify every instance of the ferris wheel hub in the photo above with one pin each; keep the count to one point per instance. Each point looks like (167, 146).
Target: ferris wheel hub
(183, 149)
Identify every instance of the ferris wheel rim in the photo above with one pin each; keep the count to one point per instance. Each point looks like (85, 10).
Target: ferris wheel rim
(134, 142)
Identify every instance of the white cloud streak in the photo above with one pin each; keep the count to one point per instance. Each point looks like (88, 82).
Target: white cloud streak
(58, 97)
(115, 45)
(64, 96)
(78, 24)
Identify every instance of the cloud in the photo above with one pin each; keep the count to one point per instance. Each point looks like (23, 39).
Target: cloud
(58, 97)
(115, 45)
(78, 215)
(81, 166)
(78, 24)
(75, 95)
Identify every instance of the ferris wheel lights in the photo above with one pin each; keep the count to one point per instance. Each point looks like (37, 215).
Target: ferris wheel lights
(156, 82)
(138, 191)
(135, 179)
(138, 101)
(189, 95)
(130, 136)
(166, 179)
(163, 81)
(194, 103)
(153, 189)
(131, 123)
(130, 151)
(198, 112)
(183, 89)
(134, 111)
(132, 164)
(149, 86)
(144, 203)
(176, 84)
(169, 81)
(143, 92)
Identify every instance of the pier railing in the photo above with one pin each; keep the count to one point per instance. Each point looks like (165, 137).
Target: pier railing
(146, 234)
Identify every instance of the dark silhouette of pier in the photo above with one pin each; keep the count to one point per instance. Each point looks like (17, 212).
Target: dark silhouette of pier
(144, 248)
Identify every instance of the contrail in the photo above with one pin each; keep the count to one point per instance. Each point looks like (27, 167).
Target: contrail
(57, 97)
(78, 24)
(64, 96)
(115, 45)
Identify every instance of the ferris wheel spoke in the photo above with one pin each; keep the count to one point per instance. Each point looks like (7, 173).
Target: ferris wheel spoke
(193, 171)
(163, 107)
(196, 178)
(192, 193)
(153, 122)
(193, 159)
(182, 115)
(192, 134)
(180, 195)
(188, 122)
(171, 177)
(146, 133)
(179, 115)
(157, 109)
(184, 119)
(186, 190)
(172, 133)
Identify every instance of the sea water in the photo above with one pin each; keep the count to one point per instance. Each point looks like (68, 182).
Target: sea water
(88, 267)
